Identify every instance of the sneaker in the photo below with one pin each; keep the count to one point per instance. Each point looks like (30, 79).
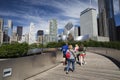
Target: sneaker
(66, 72)
(72, 70)
(83, 63)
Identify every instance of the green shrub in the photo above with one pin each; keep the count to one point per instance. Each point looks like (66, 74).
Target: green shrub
(17, 49)
(32, 46)
(13, 50)
(52, 45)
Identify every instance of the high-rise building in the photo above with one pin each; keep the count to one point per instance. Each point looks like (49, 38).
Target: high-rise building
(1, 31)
(32, 37)
(6, 38)
(40, 36)
(77, 30)
(19, 32)
(106, 19)
(88, 23)
(46, 38)
(14, 36)
(69, 26)
(26, 38)
(10, 29)
(68, 29)
(53, 30)
(118, 33)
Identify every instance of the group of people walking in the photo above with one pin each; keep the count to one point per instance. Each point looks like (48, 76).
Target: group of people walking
(73, 55)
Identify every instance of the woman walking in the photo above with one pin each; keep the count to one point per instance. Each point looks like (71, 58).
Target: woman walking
(77, 53)
(70, 59)
(82, 54)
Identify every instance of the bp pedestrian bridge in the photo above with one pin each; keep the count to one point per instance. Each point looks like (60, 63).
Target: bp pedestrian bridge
(102, 64)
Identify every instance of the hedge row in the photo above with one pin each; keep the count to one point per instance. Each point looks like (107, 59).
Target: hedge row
(18, 50)
(114, 45)
(13, 50)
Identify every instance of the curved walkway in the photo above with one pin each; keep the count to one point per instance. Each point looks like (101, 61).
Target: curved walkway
(97, 68)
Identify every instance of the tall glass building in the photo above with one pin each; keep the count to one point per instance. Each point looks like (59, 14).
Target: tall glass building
(40, 36)
(106, 19)
(32, 38)
(1, 31)
(53, 30)
(19, 32)
(6, 37)
(88, 23)
(10, 29)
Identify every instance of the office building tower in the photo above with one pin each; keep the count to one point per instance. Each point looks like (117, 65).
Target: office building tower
(53, 30)
(32, 37)
(10, 30)
(88, 23)
(118, 33)
(68, 30)
(6, 37)
(77, 30)
(70, 34)
(69, 26)
(106, 19)
(26, 38)
(1, 24)
(40, 36)
(46, 38)
(1, 31)
(19, 32)
(14, 37)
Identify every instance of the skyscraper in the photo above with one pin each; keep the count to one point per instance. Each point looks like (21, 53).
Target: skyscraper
(88, 23)
(76, 31)
(40, 36)
(32, 34)
(10, 29)
(67, 30)
(6, 37)
(118, 32)
(14, 36)
(106, 19)
(19, 32)
(53, 30)
(1, 31)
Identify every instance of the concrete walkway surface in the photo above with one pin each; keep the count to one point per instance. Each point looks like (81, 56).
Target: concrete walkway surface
(97, 68)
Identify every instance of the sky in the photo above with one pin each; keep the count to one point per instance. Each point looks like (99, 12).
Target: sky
(40, 12)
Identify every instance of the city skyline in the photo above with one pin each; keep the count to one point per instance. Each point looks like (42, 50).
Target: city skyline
(40, 12)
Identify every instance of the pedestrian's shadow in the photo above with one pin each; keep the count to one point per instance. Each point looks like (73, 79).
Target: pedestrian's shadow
(69, 69)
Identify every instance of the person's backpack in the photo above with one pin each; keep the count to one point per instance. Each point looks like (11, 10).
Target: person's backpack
(67, 55)
(80, 49)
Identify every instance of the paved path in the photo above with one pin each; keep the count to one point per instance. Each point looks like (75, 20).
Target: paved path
(97, 68)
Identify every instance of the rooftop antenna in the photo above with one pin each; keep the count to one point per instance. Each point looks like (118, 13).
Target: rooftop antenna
(90, 3)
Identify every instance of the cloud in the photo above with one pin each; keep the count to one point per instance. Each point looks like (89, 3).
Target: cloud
(41, 17)
(8, 14)
(40, 12)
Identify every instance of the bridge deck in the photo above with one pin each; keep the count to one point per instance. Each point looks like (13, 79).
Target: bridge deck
(97, 68)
